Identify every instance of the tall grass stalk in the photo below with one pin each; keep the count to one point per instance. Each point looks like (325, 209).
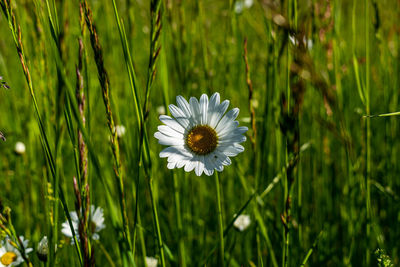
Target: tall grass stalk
(139, 116)
(143, 113)
(105, 84)
(368, 132)
(155, 31)
(181, 243)
(56, 32)
(72, 111)
(285, 217)
(251, 91)
(311, 250)
(83, 194)
(344, 184)
(220, 221)
(17, 37)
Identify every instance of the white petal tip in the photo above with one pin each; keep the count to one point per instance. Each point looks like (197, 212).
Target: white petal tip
(171, 165)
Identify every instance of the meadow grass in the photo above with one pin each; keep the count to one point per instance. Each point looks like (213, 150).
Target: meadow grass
(316, 83)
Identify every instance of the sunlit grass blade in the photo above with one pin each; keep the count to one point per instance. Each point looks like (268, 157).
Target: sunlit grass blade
(16, 31)
(397, 113)
(311, 250)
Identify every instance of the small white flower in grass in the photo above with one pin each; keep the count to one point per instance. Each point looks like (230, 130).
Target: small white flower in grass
(10, 255)
(201, 136)
(309, 43)
(96, 224)
(242, 222)
(292, 39)
(248, 3)
(20, 148)
(241, 4)
(120, 129)
(239, 7)
(161, 110)
(151, 262)
(43, 249)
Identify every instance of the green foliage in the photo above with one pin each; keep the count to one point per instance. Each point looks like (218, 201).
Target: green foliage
(383, 259)
(317, 85)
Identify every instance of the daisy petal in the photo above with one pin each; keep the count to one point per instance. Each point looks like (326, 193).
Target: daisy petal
(177, 158)
(208, 166)
(203, 108)
(219, 168)
(195, 109)
(223, 159)
(171, 165)
(214, 161)
(168, 131)
(200, 166)
(167, 120)
(172, 150)
(180, 116)
(74, 216)
(231, 115)
(183, 105)
(176, 112)
(181, 163)
(228, 129)
(231, 151)
(214, 101)
(66, 230)
(241, 130)
(232, 139)
(212, 105)
(167, 140)
(217, 114)
(190, 165)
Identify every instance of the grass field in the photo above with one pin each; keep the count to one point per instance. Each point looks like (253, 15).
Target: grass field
(83, 86)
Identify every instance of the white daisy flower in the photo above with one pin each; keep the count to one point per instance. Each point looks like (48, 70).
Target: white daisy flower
(20, 148)
(242, 222)
(200, 136)
(151, 262)
(96, 221)
(10, 255)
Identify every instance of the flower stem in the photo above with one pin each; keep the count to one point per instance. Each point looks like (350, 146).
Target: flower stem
(220, 222)
(156, 221)
(181, 243)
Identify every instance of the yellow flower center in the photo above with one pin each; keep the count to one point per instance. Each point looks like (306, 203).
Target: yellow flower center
(202, 139)
(8, 258)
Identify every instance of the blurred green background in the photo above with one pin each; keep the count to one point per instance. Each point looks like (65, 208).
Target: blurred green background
(345, 180)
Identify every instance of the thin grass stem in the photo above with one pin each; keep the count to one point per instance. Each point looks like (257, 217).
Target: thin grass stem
(368, 134)
(156, 221)
(220, 221)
